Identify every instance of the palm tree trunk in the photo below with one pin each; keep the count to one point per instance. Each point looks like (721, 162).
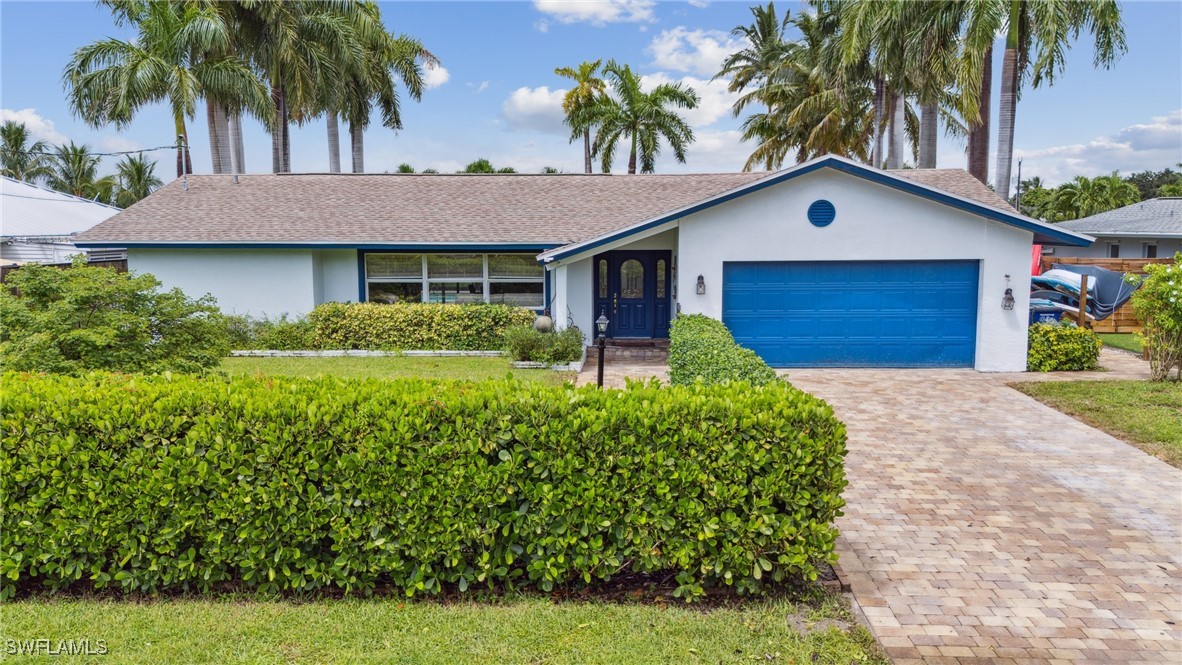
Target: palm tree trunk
(879, 114)
(237, 145)
(896, 128)
(277, 131)
(215, 146)
(184, 161)
(234, 136)
(357, 139)
(1008, 105)
(587, 150)
(979, 132)
(632, 156)
(225, 145)
(929, 122)
(334, 144)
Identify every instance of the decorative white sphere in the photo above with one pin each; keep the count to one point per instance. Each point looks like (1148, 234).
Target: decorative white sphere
(544, 324)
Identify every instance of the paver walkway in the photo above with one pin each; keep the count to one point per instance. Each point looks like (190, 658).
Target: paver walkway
(983, 526)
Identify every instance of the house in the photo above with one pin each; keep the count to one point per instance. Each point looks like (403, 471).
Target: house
(1146, 230)
(38, 225)
(827, 263)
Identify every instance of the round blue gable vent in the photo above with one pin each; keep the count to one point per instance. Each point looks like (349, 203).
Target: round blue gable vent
(821, 213)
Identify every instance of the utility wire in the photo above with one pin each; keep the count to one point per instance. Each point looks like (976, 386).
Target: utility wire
(105, 154)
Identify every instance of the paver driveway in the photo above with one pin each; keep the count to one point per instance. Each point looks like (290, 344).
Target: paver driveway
(982, 526)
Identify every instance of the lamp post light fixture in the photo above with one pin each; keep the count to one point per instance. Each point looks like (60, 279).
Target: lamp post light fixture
(1007, 300)
(601, 326)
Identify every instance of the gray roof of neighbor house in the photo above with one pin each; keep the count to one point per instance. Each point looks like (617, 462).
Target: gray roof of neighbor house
(1158, 218)
(355, 210)
(29, 211)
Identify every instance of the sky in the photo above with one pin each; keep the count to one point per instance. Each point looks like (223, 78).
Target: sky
(496, 95)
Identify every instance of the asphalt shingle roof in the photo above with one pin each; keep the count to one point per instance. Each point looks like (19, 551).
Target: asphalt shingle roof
(1162, 217)
(437, 208)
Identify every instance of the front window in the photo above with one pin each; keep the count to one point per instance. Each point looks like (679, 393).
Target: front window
(1150, 251)
(1114, 250)
(512, 279)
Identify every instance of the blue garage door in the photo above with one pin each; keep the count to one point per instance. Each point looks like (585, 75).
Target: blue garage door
(854, 314)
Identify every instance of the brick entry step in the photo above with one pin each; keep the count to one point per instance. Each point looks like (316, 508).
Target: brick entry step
(631, 349)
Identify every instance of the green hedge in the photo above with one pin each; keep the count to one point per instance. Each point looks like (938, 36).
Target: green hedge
(560, 346)
(415, 326)
(170, 483)
(702, 349)
(1056, 347)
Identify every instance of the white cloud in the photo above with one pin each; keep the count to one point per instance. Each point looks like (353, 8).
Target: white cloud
(542, 25)
(117, 143)
(711, 152)
(1155, 145)
(700, 4)
(596, 12)
(436, 76)
(40, 129)
(479, 87)
(715, 100)
(535, 109)
(696, 51)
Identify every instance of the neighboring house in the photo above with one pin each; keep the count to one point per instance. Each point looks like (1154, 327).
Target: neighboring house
(827, 263)
(1146, 230)
(38, 225)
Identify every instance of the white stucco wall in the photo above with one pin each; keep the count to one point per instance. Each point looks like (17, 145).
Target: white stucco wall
(873, 222)
(258, 282)
(338, 275)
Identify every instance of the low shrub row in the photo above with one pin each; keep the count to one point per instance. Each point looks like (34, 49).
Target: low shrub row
(419, 326)
(183, 483)
(562, 346)
(702, 349)
(1062, 347)
(282, 334)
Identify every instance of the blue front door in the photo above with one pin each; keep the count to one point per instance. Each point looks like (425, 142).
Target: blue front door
(633, 292)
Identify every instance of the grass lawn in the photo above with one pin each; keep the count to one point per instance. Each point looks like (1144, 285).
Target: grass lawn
(528, 630)
(1146, 414)
(393, 367)
(1126, 341)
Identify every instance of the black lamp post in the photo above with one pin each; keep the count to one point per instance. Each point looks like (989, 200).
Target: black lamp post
(601, 326)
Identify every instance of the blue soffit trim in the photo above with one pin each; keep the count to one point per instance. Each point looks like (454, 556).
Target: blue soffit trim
(400, 247)
(1043, 233)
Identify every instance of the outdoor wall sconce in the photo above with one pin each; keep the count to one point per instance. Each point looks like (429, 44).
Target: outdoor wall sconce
(701, 285)
(1007, 300)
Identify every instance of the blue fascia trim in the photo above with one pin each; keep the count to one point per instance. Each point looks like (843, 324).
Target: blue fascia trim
(362, 294)
(852, 169)
(480, 248)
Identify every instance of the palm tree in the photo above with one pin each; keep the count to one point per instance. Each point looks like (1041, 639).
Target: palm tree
(1083, 197)
(1038, 35)
(642, 118)
(109, 81)
(74, 170)
(135, 180)
(757, 65)
(374, 79)
(19, 158)
(480, 165)
(405, 168)
(582, 94)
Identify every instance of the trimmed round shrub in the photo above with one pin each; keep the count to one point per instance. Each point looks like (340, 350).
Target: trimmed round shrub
(702, 349)
(1062, 347)
(185, 483)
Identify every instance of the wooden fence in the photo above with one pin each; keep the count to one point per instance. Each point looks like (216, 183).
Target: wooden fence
(120, 265)
(1123, 321)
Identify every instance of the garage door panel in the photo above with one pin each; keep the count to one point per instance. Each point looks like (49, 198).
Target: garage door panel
(854, 314)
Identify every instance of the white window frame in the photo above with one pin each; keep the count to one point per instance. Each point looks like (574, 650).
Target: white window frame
(1145, 250)
(1111, 246)
(425, 280)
